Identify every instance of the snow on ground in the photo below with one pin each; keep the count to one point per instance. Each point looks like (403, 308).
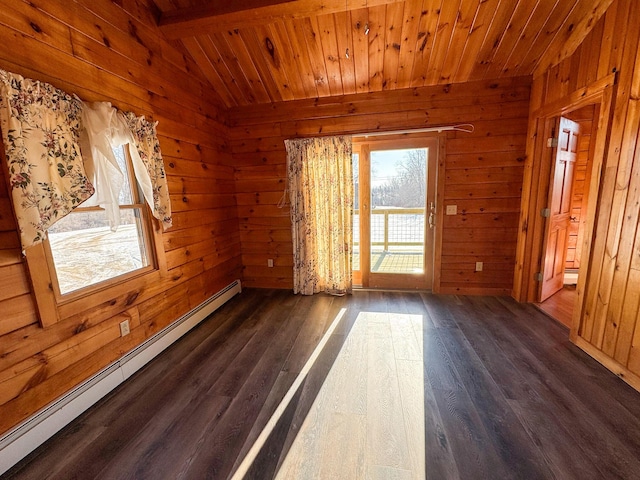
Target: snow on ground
(94, 255)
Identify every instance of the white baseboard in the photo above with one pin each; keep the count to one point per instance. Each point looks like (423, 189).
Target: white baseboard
(571, 278)
(37, 429)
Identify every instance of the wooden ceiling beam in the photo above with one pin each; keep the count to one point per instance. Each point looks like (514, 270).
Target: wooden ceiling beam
(221, 16)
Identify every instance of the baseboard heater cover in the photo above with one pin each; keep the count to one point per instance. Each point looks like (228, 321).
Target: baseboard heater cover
(571, 277)
(37, 429)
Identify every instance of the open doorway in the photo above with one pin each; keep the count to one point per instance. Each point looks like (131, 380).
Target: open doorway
(566, 217)
(530, 257)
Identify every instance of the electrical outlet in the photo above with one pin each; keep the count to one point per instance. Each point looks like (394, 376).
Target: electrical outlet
(479, 266)
(452, 210)
(124, 328)
(270, 262)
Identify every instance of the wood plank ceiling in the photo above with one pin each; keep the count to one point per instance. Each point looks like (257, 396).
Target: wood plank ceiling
(262, 51)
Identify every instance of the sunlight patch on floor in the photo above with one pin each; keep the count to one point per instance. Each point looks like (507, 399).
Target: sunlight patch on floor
(368, 418)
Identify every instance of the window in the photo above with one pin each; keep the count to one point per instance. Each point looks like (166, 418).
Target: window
(85, 252)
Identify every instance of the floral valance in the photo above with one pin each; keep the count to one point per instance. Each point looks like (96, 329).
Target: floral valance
(40, 128)
(149, 167)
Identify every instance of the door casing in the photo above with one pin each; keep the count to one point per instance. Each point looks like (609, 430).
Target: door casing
(535, 189)
(363, 146)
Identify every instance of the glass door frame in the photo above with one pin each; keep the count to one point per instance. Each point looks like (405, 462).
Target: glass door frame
(363, 146)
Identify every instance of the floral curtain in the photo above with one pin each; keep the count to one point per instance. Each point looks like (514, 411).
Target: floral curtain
(321, 194)
(148, 166)
(40, 128)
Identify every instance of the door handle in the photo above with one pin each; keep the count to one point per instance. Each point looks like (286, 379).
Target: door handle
(432, 215)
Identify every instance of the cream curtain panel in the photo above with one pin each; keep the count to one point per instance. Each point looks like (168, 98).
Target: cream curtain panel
(321, 194)
(106, 128)
(40, 129)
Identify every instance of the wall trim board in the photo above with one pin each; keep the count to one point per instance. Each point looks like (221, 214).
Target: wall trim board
(457, 290)
(33, 432)
(616, 368)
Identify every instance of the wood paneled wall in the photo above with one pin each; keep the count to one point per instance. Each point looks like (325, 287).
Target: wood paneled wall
(610, 290)
(482, 173)
(112, 51)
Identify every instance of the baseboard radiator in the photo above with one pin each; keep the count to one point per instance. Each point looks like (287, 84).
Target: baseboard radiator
(33, 432)
(570, 277)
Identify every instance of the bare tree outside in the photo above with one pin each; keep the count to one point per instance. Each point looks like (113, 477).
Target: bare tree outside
(407, 189)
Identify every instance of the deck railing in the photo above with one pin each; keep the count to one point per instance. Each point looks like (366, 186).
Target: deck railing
(409, 233)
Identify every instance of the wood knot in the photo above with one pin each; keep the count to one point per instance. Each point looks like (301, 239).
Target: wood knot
(81, 328)
(271, 49)
(131, 298)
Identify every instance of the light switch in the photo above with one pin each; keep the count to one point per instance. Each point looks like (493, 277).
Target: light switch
(452, 210)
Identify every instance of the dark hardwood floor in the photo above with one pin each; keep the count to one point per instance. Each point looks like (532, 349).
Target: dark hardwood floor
(506, 395)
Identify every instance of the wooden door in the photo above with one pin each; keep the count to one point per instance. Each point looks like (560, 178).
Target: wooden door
(559, 213)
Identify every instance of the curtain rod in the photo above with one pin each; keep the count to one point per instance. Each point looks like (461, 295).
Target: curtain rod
(463, 127)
